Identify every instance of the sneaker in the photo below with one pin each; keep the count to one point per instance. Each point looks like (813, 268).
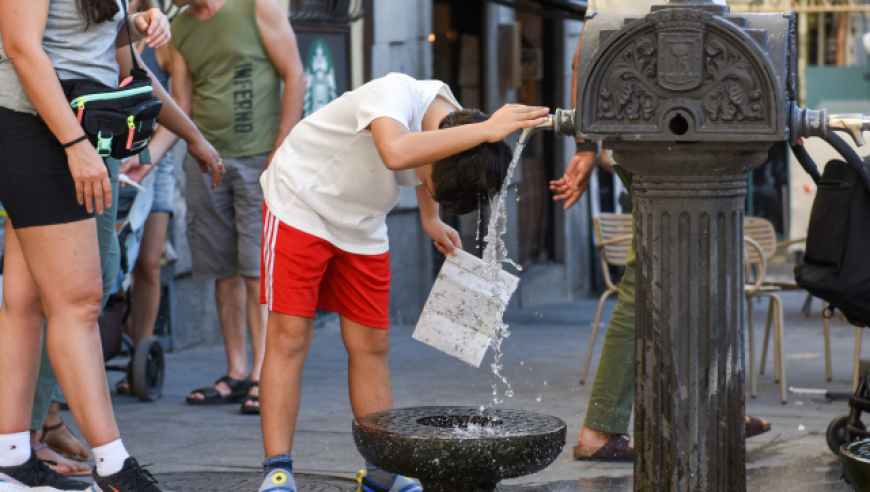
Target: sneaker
(278, 480)
(401, 484)
(131, 478)
(34, 474)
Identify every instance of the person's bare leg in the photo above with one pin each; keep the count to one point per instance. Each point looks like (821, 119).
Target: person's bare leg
(230, 299)
(289, 338)
(145, 295)
(64, 263)
(256, 315)
(368, 367)
(21, 319)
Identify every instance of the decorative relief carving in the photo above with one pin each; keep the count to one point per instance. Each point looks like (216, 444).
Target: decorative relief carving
(626, 91)
(643, 79)
(733, 93)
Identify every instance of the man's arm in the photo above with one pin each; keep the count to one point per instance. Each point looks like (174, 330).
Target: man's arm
(176, 121)
(280, 43)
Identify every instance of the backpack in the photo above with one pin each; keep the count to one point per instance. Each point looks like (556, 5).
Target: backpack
(836, 265)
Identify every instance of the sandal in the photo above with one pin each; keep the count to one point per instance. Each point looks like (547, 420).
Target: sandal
(211, 396)
(251, 409)
(616, 450)
(57, 446)
(56, 465)
(756, 427)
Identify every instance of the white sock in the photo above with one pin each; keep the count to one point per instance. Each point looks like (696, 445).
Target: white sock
(110, 458)
(14, 448)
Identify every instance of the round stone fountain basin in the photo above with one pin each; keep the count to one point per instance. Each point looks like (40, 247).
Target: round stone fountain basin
(855, 458)
(459, 449)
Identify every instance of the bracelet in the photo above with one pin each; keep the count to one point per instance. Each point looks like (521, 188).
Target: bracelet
(70, 144)
(587, 147)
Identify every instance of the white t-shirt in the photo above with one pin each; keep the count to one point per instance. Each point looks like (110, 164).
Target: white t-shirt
(327, 178)
(627, 6)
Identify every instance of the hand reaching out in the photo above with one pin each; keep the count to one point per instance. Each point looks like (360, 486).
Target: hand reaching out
(575, 181)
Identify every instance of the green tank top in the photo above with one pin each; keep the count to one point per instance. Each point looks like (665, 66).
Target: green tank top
(237, 92)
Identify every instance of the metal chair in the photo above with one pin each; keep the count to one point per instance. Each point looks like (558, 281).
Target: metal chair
(613, 232)
(756, 260)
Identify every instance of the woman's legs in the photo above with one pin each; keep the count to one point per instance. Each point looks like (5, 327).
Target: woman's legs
(21, 319)
(65, 265)
(145, 295)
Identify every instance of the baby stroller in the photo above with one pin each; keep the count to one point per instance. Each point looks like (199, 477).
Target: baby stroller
(838, 270)
(147, 365)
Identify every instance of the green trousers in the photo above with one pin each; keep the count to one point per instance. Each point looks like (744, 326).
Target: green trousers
(47, 388)
(613, 391)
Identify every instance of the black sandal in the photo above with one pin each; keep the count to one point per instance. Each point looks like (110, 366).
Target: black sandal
(251, 409)
(211, 396)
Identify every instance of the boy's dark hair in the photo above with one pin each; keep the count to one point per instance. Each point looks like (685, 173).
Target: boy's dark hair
(465, 181)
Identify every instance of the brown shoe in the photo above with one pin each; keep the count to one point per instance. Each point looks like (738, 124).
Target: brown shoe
(617, 449)
(756, 427)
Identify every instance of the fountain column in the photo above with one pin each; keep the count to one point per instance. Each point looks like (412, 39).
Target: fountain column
(689, 421)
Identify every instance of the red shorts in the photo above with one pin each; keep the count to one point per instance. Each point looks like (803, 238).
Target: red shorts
(301, 273)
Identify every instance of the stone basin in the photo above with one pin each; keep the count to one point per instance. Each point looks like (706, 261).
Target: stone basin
(855, 458)
(459, 449)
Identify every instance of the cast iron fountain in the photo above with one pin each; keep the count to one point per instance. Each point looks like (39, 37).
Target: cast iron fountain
(459, 449)
(690, 98)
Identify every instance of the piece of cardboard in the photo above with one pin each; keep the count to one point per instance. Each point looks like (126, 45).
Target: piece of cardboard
(461, 312)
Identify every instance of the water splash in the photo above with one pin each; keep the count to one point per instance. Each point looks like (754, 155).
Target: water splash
(495, 256)
(477, 430)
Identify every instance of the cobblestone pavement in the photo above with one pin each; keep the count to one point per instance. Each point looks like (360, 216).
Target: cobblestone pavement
(246, 481)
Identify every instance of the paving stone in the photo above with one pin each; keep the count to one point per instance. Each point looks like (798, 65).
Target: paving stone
(245, 481)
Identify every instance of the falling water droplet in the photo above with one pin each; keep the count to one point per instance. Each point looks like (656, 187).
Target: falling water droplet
(545, 383)
(538, 398)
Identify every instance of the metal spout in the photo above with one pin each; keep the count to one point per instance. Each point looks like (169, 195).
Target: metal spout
(816, 123)
(561, 122)
(853, 124)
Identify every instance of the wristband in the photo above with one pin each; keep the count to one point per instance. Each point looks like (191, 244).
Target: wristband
(587, 147)
(70, 144)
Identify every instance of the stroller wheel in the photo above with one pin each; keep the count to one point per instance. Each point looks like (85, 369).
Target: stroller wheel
(838, 432)
(149, 368)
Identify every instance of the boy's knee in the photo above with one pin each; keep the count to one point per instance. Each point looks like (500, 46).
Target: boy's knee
(291, 341)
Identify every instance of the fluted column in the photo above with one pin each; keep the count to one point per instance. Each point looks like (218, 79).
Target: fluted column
(689, 400)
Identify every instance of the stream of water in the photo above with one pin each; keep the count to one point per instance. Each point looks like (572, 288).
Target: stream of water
(494, 256)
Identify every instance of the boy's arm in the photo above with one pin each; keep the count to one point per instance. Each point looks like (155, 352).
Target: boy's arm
(402, 149)
(280, 43)
(446, 238)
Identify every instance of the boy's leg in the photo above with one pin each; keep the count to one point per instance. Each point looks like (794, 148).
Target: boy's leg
(288, 339)
(368, 367)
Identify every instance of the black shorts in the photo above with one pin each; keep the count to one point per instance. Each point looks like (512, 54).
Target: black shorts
(36, 187)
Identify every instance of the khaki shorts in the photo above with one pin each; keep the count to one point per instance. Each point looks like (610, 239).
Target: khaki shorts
(224, 227)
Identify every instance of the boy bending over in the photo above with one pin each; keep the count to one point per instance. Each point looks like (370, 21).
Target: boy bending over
(327, 192)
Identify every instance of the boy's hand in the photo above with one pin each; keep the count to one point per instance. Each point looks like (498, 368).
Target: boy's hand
(446, 238)
(513, 117)
(207, 158)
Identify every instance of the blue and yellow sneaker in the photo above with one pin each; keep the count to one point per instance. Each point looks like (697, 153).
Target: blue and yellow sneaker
(401, 484)
(278, 480)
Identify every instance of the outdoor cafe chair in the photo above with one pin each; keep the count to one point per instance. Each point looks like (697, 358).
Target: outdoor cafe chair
(613, 233)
